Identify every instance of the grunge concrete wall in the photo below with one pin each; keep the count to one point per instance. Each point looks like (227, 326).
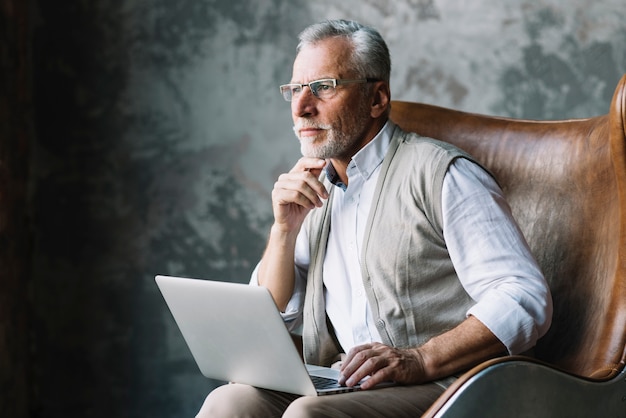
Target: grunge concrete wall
(159, 131)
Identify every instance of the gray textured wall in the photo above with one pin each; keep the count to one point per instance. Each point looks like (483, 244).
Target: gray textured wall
(160, 132)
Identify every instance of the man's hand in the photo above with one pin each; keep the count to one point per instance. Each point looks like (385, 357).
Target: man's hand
(456, 350)
(383, 364)
(297, 192)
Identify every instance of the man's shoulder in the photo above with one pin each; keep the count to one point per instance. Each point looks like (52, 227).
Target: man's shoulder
(415, 147)
(425, 155)
(417, 150)
(415, 141)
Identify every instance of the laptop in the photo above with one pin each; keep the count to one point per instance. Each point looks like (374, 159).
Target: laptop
(236, 334)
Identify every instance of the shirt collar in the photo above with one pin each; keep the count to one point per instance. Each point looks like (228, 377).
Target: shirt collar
(367, 159)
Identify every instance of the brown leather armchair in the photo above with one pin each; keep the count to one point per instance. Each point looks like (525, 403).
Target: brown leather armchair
(566, 183)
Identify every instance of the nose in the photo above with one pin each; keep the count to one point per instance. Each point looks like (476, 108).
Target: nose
(304, 104)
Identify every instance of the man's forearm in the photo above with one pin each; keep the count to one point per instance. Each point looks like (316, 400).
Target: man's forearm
(454, 351)
(277, 269)
(459, 349)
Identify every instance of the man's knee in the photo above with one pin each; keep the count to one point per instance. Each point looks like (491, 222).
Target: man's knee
(236, 400)
(397, 401)
(301, 408)
(228, 401)
(311, 407)
(220, 401)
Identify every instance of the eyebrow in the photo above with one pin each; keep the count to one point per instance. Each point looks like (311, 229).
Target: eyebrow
(315, 79)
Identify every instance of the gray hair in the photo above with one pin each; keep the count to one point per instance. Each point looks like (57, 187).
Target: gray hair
(370, 56)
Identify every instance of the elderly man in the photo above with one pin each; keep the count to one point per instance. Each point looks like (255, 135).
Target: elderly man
(396, 254)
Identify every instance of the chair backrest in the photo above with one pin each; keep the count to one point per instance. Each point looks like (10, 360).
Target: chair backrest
(566, 183)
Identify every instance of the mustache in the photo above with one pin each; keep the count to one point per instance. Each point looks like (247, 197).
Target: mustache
(309, 125)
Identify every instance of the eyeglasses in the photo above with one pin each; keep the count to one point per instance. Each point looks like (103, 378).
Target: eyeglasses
(322, 89)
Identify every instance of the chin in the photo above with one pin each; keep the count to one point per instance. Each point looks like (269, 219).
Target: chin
(308, 147)
(308, 152)
(313, 152)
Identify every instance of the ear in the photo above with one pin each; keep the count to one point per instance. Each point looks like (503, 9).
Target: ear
(380, 99)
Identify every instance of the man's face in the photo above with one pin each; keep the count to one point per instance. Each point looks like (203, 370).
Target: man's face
(334, 127)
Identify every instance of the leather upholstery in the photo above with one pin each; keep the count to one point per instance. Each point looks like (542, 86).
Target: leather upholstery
(566, 183)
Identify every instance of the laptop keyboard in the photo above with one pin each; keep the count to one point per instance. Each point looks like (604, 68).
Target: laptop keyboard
(324, 382)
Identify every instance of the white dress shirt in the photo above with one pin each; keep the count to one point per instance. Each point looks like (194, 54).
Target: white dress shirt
(490, 255)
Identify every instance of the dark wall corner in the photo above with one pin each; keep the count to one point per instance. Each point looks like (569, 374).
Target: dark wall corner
(16, 130)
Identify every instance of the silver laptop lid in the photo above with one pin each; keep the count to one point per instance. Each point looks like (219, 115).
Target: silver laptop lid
(235, 333)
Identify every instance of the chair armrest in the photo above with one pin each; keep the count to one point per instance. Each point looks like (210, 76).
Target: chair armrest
(519, 386)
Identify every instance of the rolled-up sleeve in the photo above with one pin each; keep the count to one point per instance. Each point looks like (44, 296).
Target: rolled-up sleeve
(492, 259)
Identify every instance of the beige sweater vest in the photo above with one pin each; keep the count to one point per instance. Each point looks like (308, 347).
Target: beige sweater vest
(411, 284)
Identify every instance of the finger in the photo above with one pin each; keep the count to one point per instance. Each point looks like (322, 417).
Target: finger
(301, 180)
(358, 365)
(309, 164)
(384, 374)
(357, 350)
(301, 188)
(350, 356)
(368, 370)
(314, 166)
(398, 365)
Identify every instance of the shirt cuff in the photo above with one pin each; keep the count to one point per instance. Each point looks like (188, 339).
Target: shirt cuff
(507, 320)
(293, 312)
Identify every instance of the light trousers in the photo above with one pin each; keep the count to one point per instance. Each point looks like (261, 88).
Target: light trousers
(237, 400)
